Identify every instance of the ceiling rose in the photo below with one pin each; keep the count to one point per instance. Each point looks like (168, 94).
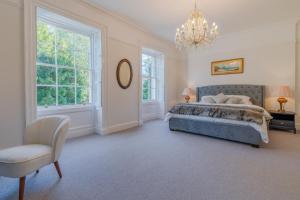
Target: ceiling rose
(195, 31)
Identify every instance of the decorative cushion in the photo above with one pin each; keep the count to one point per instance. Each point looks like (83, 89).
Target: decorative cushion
(244, 99)
(220, 98)
(207, 99)
(233, 100)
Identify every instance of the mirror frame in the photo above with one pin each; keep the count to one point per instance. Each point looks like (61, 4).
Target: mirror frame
(118, 74)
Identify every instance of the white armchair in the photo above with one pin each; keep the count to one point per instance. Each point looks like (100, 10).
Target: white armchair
(44, 140)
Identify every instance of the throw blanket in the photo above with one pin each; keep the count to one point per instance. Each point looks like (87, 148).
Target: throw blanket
(241, 113)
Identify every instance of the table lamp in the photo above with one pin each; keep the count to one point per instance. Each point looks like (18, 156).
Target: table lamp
(187, 92)
(282, 92)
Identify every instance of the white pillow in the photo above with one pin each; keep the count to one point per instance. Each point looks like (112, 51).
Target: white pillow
(245, 99)
(207, 99)
(233, 100)
(220, 98)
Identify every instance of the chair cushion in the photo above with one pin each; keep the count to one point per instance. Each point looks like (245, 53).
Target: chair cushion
(21, 160)
(24, 153)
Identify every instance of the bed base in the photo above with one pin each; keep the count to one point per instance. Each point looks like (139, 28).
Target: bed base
(233, 132)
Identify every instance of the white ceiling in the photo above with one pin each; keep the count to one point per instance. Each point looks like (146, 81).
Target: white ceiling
(162, 17)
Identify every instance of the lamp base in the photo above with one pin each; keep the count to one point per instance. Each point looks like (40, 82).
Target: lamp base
(187, 99)
(282, 101)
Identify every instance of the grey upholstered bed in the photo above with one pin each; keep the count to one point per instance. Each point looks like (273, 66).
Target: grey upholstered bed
(234, 132)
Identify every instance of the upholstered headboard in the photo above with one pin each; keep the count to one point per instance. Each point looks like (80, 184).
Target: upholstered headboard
(256, 92)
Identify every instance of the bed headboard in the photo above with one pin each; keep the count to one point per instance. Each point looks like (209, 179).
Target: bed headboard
(256, 92)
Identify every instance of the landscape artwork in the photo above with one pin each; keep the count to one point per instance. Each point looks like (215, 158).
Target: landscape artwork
(232, 66)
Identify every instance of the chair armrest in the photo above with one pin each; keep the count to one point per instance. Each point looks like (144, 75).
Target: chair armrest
(59, 138)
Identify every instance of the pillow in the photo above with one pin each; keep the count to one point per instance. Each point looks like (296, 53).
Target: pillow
(207, 99)
(220, 98)
(247, 102)
(244, 99)
(233, 100)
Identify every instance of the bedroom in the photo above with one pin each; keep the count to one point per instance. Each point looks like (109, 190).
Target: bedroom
(118, 144)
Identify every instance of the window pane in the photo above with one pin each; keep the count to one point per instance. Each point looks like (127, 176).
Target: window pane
(45, 53)
(65, 49)
(153, 69)
(83, 95)
(153, 89)
(147, 63)
(46, 96)
(66, 95)
(153, 94)
(83, 78)
(66, 76)
(82, 59)
(82, 43)
(153, 83)
(146, 89)
(45, 75)
(68, 53)
(45, 43)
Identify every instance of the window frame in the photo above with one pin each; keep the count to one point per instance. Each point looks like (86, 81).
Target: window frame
(150, 77)
(65, 25)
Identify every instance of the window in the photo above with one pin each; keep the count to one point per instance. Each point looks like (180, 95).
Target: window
(149, 77)
(63, 65)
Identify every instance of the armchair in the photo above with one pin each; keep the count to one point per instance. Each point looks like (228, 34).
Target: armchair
(43, 143)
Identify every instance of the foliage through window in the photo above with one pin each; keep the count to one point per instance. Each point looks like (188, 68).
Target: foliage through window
(63, 68)
(149, 80)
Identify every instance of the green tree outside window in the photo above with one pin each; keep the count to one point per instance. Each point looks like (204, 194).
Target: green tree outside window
(63, 66)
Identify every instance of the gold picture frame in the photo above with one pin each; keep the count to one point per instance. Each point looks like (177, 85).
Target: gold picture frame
(224, 67)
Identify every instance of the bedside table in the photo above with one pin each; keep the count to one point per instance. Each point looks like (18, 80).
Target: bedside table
(283, 121)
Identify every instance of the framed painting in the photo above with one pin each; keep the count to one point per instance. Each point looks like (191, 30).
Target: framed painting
(223, 67)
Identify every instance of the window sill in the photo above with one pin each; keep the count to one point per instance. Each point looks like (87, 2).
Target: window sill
(64, 109)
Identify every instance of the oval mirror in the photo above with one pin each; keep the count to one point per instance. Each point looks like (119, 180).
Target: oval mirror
(124, 73)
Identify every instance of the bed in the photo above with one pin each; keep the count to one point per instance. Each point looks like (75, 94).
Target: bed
(244, 132)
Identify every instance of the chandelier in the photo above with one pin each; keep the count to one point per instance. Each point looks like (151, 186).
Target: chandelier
(195, 31)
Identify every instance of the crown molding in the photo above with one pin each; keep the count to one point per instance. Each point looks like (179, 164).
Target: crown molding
(14, 3)
(127, 21)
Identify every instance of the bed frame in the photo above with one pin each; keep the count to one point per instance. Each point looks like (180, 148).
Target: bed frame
(238, 133)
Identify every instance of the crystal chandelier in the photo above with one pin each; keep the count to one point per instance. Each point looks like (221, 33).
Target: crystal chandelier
(195, 31)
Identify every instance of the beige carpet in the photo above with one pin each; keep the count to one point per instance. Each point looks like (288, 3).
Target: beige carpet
(152, 163)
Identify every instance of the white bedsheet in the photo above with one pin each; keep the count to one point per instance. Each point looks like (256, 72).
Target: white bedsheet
(262, 129)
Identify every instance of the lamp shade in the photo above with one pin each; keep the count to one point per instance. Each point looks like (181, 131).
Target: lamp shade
(187, 92)
(281, 91)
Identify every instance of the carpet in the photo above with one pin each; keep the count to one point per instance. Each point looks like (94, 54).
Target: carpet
(152, 163)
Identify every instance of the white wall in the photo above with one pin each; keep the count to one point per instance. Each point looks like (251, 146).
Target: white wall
(12, 111)
(83, 119)
(124, 40)
(297, 74)
(123, 105)
(269, 53)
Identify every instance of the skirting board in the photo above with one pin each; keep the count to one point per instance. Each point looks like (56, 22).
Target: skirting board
(80, 131)
(119, 127)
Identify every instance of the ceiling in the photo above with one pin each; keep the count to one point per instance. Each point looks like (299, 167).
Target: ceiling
(162, 17)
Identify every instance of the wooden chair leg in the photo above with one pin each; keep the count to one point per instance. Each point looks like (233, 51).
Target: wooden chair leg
(57, 168)
(22, 187)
